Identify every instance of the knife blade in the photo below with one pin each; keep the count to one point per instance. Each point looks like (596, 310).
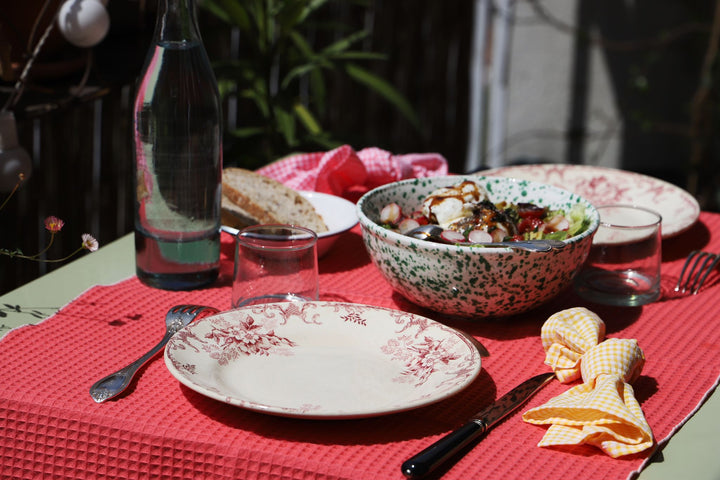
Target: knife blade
(437, 453)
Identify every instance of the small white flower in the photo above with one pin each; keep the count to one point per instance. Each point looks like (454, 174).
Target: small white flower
(89, 243)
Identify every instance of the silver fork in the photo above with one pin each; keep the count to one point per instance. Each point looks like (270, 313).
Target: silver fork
(696, 269)
(115, 383)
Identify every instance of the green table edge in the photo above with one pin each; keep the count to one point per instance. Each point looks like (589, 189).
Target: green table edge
(110, 264)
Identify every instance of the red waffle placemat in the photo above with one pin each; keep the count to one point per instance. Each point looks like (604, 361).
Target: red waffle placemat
(50, 427)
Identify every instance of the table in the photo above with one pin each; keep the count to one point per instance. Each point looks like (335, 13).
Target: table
(89, 281)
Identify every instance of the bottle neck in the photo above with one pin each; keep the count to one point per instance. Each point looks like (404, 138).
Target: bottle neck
(176, 22)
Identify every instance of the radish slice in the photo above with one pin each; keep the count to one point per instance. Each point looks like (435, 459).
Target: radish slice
(559, 223)
(452, 236)
(407, 225)
(391, 214)
(479, 236)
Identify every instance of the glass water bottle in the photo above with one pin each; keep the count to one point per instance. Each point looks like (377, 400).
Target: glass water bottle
(178, 156)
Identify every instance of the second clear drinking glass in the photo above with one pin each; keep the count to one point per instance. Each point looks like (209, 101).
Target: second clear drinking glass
(623, 267)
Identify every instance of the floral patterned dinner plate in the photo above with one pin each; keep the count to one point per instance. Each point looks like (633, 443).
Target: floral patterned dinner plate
(604, 186)
(322, 359)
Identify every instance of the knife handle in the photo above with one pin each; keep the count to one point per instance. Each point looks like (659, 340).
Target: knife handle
(430, 458)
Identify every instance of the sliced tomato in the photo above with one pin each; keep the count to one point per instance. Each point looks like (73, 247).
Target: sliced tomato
(529, 224)
(420, 219)
(530, 210)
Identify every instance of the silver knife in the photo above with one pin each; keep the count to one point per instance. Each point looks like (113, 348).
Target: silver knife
(437, 453)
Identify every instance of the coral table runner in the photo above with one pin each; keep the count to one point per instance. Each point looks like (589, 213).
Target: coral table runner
(51, 428)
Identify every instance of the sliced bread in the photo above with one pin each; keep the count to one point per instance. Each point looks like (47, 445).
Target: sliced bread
(250, 199)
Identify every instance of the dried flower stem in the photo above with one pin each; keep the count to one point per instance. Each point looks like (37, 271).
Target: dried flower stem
(20, 84)
(21, 177)
(54, 260)
(37, 255)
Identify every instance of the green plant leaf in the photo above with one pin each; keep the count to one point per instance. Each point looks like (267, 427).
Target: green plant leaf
(286, 126)
(290, 14)
(311, 6)
(313, 61)
(385, 89)
(344, 43)
(318, 90)
(237, 70)
(302, 45)
(297, 72)
(229, 11)
(259, 14)
(226, 88)
(212, 7)
(307, 119)
(324, 141)
(258, 97)
(247, 132)
(357, 55)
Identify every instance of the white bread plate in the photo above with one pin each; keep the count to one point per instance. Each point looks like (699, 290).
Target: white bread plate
(339, 216)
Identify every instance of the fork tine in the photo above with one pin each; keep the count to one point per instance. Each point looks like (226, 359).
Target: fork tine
(700, 262)
(697, 266)
(184, 308)
(694, 277)
(681, 285)
(691, 261)
(708, 269)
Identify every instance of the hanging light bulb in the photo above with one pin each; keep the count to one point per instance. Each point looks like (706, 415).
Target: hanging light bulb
(14, 160)
(83, 23)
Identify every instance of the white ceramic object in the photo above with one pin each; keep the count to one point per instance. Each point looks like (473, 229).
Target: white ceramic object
(322, 360)
(14, 159)
(83, 23)
(606, 186)
(339, 216)
(467, 281)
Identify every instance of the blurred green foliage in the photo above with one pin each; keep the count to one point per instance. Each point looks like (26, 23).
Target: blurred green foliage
(280, 78)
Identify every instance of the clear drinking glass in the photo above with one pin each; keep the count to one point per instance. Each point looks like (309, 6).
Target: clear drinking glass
(275, 263)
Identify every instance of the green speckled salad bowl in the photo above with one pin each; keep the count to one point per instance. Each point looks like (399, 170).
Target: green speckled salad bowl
(467, 281)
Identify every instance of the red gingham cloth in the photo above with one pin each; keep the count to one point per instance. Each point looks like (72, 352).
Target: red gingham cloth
(346, 173)
(51, 428)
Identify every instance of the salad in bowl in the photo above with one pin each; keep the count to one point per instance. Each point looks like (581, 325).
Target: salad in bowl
(465, 214)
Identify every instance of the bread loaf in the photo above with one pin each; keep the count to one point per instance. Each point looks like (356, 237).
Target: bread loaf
(250, 199)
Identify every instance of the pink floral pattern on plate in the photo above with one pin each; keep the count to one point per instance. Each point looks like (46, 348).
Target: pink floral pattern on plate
(603, 186)
(229, 342)
(420, 358)
(322, 359)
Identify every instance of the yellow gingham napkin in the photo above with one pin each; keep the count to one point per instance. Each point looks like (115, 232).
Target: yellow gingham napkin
(602, 411)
